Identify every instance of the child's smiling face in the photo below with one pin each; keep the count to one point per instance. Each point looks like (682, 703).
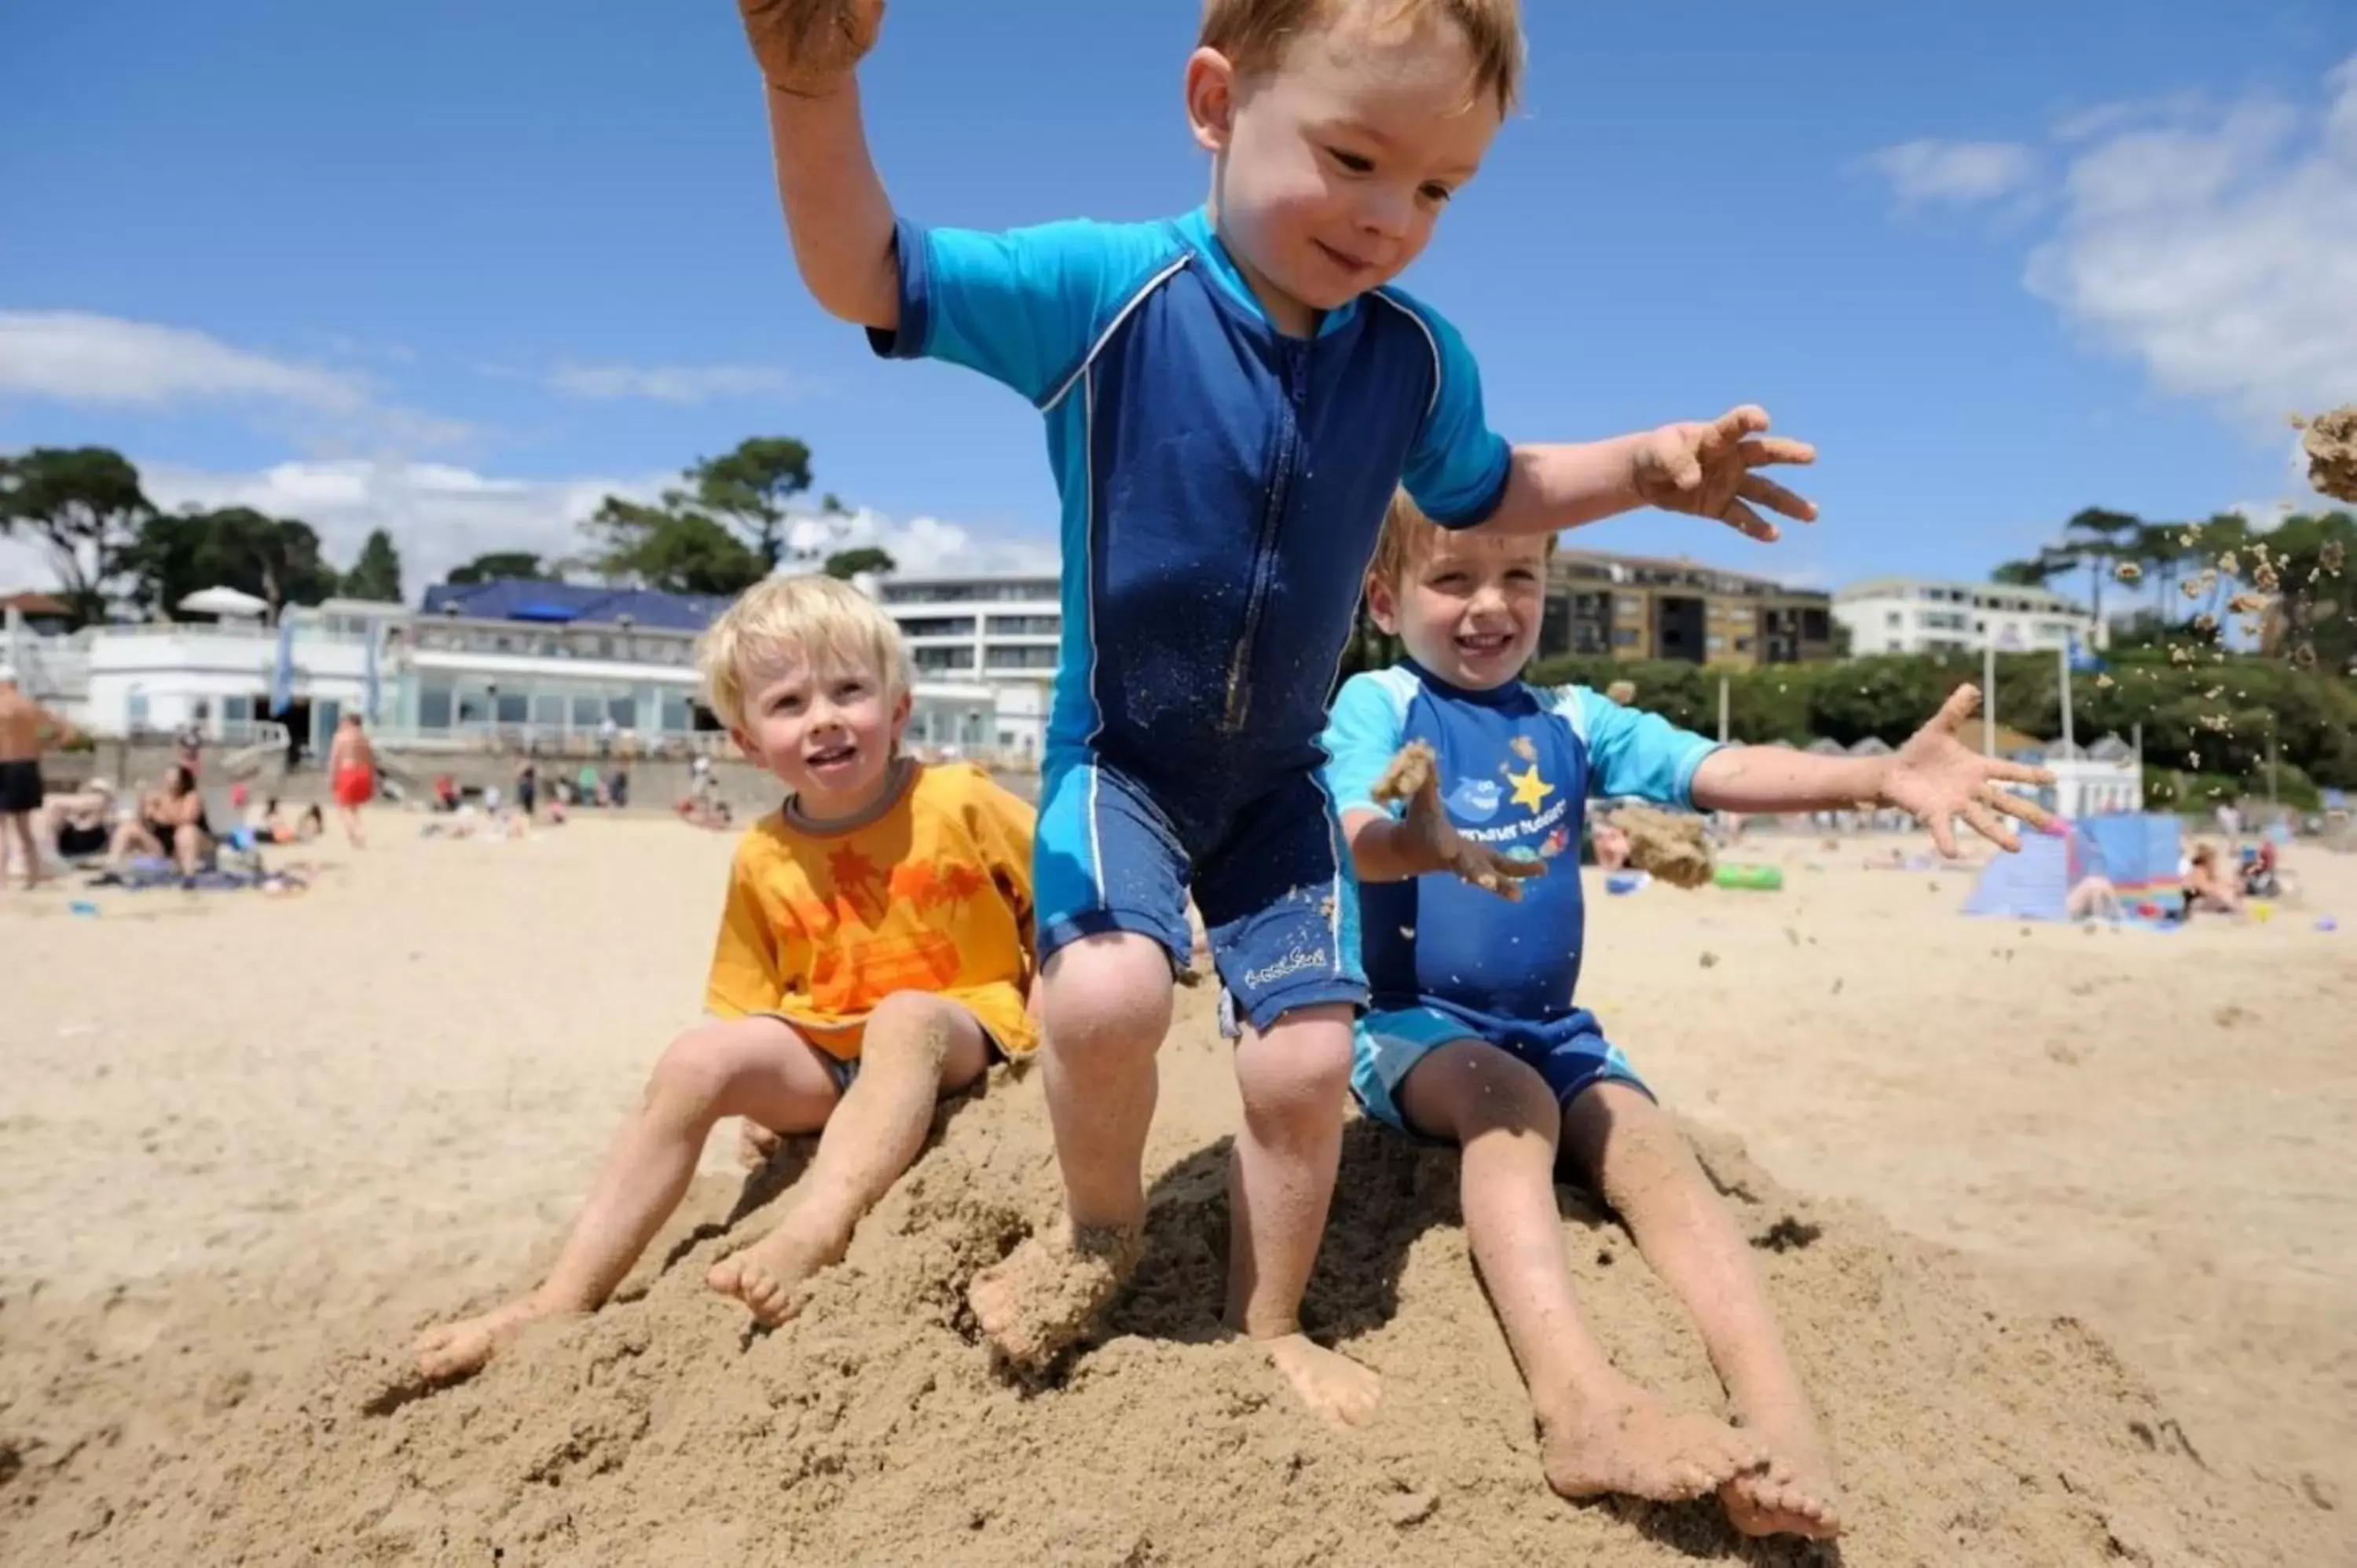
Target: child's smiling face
(1468, 606)
(828, 733)
(1333, 168)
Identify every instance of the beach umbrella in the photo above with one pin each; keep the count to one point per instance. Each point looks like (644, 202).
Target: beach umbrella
(220, 601)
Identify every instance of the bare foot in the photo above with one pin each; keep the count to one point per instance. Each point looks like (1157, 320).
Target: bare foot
(454, 1350)
(1794, 1493)
(1047, 1292)
(1629, 1442)
(767, 1275)
(1333, 1386)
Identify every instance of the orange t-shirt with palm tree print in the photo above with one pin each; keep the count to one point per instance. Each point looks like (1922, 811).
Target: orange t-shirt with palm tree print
(934, 894)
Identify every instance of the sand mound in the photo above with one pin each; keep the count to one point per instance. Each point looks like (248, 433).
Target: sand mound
(871, 1428)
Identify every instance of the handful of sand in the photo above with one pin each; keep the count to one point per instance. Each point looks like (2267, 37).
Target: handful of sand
(2331, 442)
(1666, 844)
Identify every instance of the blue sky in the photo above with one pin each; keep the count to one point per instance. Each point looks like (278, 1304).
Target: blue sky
(459, 268)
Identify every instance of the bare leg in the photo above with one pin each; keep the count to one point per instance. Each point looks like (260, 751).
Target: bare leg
(1643, 1169)
(20, 828)
(752, 1067)
(1280, 1186)
(352, 815)
(1600, 1431)
(1106, 1006)
(917, 1047)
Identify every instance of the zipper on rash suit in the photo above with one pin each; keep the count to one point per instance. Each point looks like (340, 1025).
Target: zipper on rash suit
(1280, 484)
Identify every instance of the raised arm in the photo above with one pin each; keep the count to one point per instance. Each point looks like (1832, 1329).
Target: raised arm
(837, 211)
(1703, 467)
(1934, 778)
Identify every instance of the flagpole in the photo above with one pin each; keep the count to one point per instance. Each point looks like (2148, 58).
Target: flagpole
(2067, 748)
(1988, 695)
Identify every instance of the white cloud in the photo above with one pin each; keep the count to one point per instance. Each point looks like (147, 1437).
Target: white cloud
(2218, 249)
(683, 384)
(106, 361)
(1959, 173)
(440, 515)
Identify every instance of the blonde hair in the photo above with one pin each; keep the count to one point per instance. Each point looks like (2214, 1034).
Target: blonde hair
(825, 622)
(1254, 34)
(1408, 538)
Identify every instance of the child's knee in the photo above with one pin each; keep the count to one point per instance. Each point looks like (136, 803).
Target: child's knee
(1299, 1069)
(1107, 997)
(913, 1032)
(697, 1070)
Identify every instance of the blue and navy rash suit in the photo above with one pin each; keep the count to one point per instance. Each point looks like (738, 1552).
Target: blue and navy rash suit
(1222, 485)
(1517, 765)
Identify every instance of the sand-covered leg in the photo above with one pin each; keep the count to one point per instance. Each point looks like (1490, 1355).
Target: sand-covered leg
(916, 1046)
(1104, 1006)
(1600, 1432)
(747, 1067)
(1280, 1186)
(1050, 1290)
(1642, 1164)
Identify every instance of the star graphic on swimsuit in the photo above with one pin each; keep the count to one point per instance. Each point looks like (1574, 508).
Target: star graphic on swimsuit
(1530, 790)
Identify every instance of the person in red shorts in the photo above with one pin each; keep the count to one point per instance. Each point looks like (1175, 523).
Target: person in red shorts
(352, 772)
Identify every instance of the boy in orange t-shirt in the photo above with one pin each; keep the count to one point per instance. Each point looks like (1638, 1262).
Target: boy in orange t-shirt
(875, 954)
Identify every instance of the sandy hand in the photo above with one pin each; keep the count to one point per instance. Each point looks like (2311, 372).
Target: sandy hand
(1705, 466)
(756, 1145)
(1413, 777)
(810, 47)
(1936, 779)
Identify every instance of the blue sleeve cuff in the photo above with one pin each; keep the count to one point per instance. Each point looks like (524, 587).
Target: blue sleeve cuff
(1492, 493)
(1689, 765)
(906, 341)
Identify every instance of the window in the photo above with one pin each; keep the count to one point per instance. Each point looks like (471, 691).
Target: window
(1624, 637)
(1024, 626)
(940, 658)
(1894, 618)
(623, 711)
(548, 711)
(1742, 645)
(676, 718)
(515, 707)
(1716, 643)
(938, 626)
(1629, 604)
(586, 711)
(1022, 658)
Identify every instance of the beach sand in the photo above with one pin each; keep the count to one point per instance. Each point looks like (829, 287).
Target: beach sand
(2060, 1226)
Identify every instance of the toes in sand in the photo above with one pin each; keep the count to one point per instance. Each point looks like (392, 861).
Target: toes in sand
(451, 1351)
(768, 1276)
(1792, 1494)
(1634, 1445)
(1049, 1290)
(1333, 1386)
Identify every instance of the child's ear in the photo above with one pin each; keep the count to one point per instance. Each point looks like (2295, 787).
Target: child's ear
(1383, 604)
(745, 746)
(900, 712)
(1211, 98)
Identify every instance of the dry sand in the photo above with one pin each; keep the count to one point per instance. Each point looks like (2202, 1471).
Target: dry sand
(2074, 1276)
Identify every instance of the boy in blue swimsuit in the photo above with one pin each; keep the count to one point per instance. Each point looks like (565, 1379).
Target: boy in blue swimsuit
(1474, 1038)
(1231, 397)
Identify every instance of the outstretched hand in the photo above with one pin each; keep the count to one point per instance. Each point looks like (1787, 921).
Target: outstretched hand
(1414, 777)
(809, 47)
(1705, 467)
(1937, 779)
